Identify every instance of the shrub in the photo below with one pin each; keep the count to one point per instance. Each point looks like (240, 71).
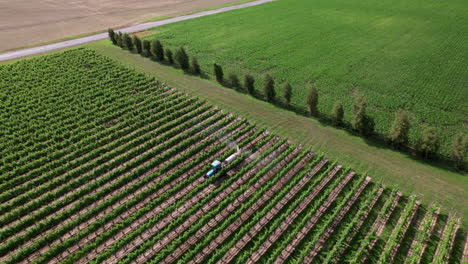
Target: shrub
(269, 88)
(218, 71)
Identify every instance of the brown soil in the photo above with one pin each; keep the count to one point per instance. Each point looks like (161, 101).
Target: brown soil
(28, 22)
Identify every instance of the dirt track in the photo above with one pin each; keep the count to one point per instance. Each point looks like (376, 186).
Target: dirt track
(26, 22)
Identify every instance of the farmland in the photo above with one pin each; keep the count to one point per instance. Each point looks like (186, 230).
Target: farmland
(102, 164)
(398, 54)
(27, 23)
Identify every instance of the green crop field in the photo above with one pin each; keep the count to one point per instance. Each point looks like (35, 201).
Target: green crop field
(102, 164)
(398, 54)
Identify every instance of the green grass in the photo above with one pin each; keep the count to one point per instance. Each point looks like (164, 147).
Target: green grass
(398, 54)
(433, 185)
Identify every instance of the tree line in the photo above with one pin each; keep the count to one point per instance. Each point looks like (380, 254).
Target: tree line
(363, 124)
(156, 50)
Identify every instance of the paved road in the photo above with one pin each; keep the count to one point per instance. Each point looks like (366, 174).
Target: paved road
(74, 42)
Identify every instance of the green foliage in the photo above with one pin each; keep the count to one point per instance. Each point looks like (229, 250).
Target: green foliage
(121, 155)
(446, 243)
(234, 81)
(337, 113)
(312, 100)
(195, 66)
(169, 56)
(361, 122)
(398, 134)
(249, 83)
(137, 43)
(269, 88)
(157, 50)
(182, 59)
(430, 142)
(396, 235)
(218, 71)
(119, 39)
(146, 47)
(392, 72)
(112, 36)
(287, 92)
(127, 42)
(459, 149)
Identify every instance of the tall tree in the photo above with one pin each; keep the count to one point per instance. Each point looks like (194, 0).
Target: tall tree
(361, 122)
(195, 66)
(249, 82)
(112, 36)
(119, 39)
(182, 59)
(153, 49)
(337, 113)
(170, 58)
(218, 71)
(157, 50)
(399, 132)
(269, 88)
(312, 100)
(137, 44)
(459, 149)
(127, 42)
(429, 143)
(359, 102)
(287, 92)
(146, 47)
(233, 80)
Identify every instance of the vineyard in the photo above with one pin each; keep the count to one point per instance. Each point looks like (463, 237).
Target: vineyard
(101, 164)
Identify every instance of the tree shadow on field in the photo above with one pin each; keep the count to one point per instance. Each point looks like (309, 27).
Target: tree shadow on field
(436, 162)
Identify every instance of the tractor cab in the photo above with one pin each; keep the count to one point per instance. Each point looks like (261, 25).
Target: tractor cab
(215, 167)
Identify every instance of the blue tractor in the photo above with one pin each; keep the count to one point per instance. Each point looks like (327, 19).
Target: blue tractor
(215, 167)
